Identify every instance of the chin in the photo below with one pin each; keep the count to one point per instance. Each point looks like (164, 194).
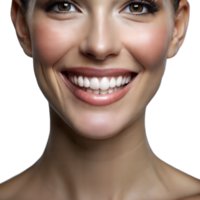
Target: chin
(98, 134)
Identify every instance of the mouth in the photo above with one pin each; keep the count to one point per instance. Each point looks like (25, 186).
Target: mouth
(99, 90)
(91, 85)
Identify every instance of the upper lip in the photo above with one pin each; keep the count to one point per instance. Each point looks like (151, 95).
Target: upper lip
(98, 72)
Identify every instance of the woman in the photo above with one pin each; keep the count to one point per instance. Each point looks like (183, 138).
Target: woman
(99, 63)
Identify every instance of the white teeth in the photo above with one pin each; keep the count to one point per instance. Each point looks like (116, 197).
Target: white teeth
(109, 91)
(103, 85)
(86, 82)
(89, 90)
(75, 80)
(94, 83)
(80, 81)
(119, 81)
(112, 83)
(123, 80)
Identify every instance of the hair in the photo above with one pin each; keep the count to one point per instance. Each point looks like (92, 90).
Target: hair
(25, 4)
(174, 2)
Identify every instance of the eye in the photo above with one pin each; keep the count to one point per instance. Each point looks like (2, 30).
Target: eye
(140, 8)
(62, 7)
(135, 7)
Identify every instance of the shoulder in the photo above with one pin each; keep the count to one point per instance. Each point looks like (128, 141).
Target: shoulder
(25, 186)
(11, 189)
(196, 197)
(180, 184)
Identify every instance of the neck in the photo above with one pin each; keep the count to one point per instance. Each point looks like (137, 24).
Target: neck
(79, 164)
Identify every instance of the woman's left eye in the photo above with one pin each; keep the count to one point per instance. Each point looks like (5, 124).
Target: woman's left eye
(136, 8)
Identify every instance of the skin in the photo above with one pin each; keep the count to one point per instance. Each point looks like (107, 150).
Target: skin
(99, 152)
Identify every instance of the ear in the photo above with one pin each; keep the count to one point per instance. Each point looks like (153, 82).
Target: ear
(180, 28)
(19, 21)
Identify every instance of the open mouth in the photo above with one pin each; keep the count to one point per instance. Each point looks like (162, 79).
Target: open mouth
(100, 91)
(100, 85)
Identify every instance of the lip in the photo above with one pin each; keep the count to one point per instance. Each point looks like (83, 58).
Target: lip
(96, 72)
(97, 99)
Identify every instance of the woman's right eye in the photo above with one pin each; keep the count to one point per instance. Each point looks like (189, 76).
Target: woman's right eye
(62, 8)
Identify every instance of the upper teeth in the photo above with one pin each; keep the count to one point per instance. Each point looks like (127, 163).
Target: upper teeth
(100, 85)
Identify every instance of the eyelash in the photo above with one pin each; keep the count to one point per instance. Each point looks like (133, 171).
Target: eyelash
(152, 6)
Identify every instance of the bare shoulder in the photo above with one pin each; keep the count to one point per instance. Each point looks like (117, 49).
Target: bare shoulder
(11, 188)
(27, 185)
(182, 185)
(196, 197)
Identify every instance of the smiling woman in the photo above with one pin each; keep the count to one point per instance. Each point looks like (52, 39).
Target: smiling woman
(98, 85)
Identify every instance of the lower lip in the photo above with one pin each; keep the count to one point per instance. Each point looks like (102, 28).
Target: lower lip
(97, 99)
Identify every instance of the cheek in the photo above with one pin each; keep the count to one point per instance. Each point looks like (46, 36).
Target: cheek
(52, 40)
(149, 44)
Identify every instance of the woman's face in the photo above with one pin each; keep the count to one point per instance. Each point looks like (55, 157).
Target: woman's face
(96, 38)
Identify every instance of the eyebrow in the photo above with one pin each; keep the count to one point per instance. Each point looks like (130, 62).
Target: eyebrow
(139, 1)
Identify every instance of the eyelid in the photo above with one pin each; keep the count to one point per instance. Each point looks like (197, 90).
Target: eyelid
(151, 7)
(56, 2)
(138, 3)
(69, 3)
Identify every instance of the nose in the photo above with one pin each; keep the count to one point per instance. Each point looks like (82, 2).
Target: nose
(100, 41)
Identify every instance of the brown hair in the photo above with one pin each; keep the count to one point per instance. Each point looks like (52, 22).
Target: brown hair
(175, 4)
